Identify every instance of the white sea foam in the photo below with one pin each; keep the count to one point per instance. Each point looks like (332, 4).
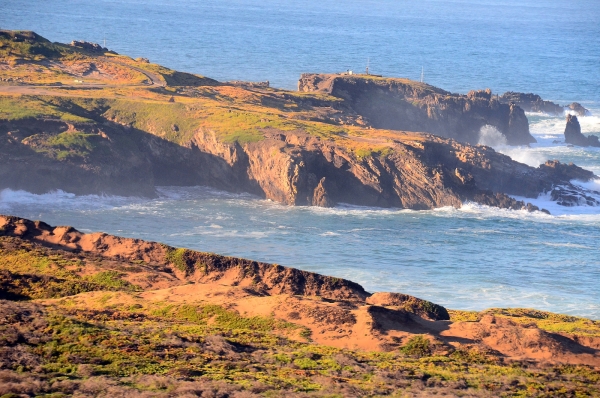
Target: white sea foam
(10, 199)
(491, 136)
(555, 126)
(569, 245)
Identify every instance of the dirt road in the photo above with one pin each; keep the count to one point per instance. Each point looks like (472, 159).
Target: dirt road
(154, 79)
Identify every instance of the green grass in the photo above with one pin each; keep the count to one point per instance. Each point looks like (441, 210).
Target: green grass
(112, 280)
(73, 143)
(551, 322)
(34, 273)
(29, 107)
(219, 319)
(27, 45)
(418, 346)
(364, 152)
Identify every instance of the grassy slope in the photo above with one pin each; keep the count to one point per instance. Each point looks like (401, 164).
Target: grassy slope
(232, 113)
(91, 328)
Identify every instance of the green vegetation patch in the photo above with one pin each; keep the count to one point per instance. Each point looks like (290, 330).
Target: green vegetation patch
(28, 272)
(364, 152)
(172, 121)
(551, 322)
(219, 319)
(27, 45)
(418, 346)
(70, 144)
(112, 280)
(30, 107)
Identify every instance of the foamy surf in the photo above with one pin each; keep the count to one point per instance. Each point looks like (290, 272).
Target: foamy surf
(462, 258)
(60, 199)
(582, 212)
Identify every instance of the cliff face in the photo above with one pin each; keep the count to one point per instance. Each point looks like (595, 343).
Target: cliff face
(534, 103)
(40, 155)
(418, 171)
(137, 125)
(401, 104)
(422, 173)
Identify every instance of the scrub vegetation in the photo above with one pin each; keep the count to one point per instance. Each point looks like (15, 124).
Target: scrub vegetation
(73, 86)
(72, 324)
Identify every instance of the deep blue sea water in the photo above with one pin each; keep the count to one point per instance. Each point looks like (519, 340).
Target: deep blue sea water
(551, 47)
(472, 258)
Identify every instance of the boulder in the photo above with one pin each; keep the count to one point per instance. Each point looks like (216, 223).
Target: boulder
(574, 136)
(579, 109)
(89, 46)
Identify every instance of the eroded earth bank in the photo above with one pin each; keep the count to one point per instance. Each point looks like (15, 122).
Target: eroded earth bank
(99, 314)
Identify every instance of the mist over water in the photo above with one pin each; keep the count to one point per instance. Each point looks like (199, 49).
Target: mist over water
(470, 258)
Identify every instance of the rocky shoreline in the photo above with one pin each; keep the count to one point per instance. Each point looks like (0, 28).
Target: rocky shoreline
(343, 138)
(402, 104)
(534, 103)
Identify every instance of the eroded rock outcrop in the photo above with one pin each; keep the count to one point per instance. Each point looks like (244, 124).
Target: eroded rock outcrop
(402, 104)
(89, 46)
(574, 136)
(579, 109)
(418, 171)
(530, 102)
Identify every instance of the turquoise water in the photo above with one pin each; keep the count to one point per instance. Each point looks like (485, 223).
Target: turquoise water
(472, 258)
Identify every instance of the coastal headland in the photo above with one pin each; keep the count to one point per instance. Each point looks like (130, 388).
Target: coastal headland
(93, 314)
(86, 120)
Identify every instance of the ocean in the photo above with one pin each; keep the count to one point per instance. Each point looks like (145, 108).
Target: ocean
(475, 257)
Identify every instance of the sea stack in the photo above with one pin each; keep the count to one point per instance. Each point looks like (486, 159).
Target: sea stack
(574, 136)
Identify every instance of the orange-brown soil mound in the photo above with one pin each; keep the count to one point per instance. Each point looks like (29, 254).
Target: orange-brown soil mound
(337, 312)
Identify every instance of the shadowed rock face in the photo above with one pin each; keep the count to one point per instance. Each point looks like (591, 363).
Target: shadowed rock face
(402, 104)
(534, 103)
(420, 171)
(574, 136)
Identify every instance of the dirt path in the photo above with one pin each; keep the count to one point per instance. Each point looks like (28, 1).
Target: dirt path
(154, 79)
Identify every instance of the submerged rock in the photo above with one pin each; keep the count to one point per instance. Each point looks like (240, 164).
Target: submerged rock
(574, 136)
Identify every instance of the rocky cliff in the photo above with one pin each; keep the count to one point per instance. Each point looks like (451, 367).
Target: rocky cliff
(136, 125)
(534, 103)
(402, 104)
(418, 171)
